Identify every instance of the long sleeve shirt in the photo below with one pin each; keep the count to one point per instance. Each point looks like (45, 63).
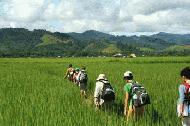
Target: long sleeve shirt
(98, 89)
(98, 92)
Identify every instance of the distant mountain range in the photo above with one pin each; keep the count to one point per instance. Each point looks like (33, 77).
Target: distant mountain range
(173, 38)
(20, 42)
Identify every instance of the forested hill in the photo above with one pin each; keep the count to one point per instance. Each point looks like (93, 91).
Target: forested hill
(173, 38)
(20, 42)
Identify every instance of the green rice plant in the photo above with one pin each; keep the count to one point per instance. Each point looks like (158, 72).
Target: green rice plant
(33, 91)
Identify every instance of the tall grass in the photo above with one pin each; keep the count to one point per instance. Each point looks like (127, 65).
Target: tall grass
(34, 93)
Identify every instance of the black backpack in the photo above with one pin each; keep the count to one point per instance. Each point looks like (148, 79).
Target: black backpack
(108, 93)
(139, 95)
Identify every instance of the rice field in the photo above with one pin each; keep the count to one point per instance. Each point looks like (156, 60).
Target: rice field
(33, 91)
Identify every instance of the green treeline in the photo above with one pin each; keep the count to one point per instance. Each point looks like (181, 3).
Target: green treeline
(20, 42)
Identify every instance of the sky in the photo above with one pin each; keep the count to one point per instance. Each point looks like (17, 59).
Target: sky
(128, 17)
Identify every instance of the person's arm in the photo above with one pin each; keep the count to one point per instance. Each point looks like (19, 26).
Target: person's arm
(79, 76)
(96, 94)
(67, 72)
(126, 103)
(181, 99)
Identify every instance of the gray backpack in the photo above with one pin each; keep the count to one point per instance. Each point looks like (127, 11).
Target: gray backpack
(83, 76)
(139, 95)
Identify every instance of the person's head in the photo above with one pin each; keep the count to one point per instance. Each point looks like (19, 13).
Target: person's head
(128, 76)
(77, 70)
(83, 68)
(101, 77)
(70, 65)
(185, 73)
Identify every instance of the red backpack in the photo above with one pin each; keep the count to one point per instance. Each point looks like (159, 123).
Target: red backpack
(187, 92)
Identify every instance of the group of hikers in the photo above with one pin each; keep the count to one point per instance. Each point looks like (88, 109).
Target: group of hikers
(79, 77)
(104, 95)
(135, 95)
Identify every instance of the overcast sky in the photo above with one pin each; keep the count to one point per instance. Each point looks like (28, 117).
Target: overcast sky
(110, 16)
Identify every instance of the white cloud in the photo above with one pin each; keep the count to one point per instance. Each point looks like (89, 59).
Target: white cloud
(24, 10)
(3, 23)
(116, 16)
(169, 21)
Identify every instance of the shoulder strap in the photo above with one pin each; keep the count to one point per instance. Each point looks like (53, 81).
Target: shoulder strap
(135, 83)
(108, 83)
(80, 74)
(187, 86)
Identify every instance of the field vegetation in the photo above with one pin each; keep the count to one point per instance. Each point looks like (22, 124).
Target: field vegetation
(33, 91)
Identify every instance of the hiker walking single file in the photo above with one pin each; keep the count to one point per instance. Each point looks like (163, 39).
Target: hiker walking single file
(83, 79)
(135, 97)
(104, 94)
(69, 72)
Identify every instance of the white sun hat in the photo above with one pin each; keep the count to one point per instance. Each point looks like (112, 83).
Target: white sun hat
(101, 77)
(128, 74)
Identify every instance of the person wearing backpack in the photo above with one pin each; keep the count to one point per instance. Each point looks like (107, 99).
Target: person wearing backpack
(183, 107)
(104, 94)
(69, 72)
(135, 97)
(83, 79)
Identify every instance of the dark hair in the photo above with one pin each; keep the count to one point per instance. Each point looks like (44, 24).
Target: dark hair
(129, 77)
(83, 68)
(70, 65)
(186, 72)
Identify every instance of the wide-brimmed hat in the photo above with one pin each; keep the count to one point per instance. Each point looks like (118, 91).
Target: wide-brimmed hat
(128, 74)
(101, 77)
